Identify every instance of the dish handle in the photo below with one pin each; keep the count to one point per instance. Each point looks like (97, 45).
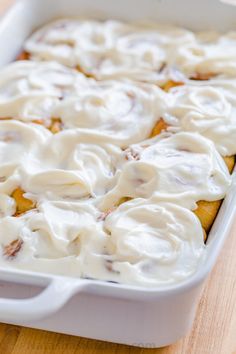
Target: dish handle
(49, 301)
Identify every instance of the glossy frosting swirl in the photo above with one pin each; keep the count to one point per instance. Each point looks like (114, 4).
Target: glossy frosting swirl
(152, 242)
(86, 188)
(108, 49)
(181, 167)
(30, 90)
(144, 244)
(122, 112)
(206, 109)
(111, 49)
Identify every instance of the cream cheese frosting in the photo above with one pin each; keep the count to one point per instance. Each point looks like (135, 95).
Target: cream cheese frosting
(123, 112)
(54, 238)
(30, 90)
(207, 109)
(65, 166)
(104, 200)
(181, 167)
(140, 243)
(153, 242)
(208, 52)
(72, 166)
(111, 49)
(19, 143)
(108, 49)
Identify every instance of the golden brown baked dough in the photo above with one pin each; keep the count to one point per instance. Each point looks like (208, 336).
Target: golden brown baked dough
(206, 212)
(56, 125)
(5, 118)
(89, 75)
(160, 126)
(204, 235)
(122, 200)
(169, 84)
(22, 204)
(202, 76)
(23, 56)
(230, 162)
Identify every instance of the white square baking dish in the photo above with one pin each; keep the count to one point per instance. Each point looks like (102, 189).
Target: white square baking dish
(95, 309)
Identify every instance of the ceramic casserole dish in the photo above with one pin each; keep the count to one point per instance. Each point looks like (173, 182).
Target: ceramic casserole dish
(96, 309)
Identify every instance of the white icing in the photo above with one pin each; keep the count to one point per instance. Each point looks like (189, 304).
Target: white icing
(123, 112)
(19, 143)
(56, 239)
(72, 166)
(183, 167)
(208, 52)
(30, 90)
(153, 243)
(108, 49)
(148, 245)
(111, 49)
(102, 155)
(206, 109)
